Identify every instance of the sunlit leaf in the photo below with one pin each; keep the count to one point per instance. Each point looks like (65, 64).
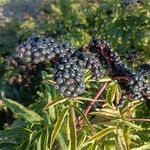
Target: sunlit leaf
(132, 125)
(54, 103)
(130, 108)
(58, 125)
(122, 145)
(14, 132)
(111, 92)
(118, 93)
(127, 133)
(81, 138)
(39, 143)
(100, 135)
(108, 113)
(144, 147)
(44, 139)
(62, 141)
(105, 80)
(21, 111)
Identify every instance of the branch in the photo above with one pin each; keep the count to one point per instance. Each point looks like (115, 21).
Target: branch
(80, 121)
(96, 97)
(140, 120)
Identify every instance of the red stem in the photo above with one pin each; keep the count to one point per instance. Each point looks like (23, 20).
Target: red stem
(80, 121)
(95, 98)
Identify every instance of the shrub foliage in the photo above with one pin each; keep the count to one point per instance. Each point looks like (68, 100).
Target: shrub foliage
(42, 117)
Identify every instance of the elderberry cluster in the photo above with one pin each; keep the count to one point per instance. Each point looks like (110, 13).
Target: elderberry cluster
(69, 71)
(38, 49)
(132, 82)
(144, 70)
(69, 63)
(131, 2)
(69, 76)
(88, 60)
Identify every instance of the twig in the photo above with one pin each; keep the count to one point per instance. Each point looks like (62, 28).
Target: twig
(140, 120)
(96, 97)
(92, 102)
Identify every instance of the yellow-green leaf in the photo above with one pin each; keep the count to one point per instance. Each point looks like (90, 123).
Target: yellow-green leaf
(54, 103)
(111, 92)
(121, 140)
(58, 125)
(100, 135)
(23, 112)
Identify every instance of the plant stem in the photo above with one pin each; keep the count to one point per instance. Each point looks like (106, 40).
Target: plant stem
(92, 102)
(140, 120)
(95, 98)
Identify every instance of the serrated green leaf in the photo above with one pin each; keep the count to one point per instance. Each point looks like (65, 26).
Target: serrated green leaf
(126, 131)
(7, 146)
(39, 143)
(104, 115)
(121, 140)
(118, 93)
(86, 99)
(111, 92)
(105, 80)
(58, 125)
(130, 108)
(93, 146)
(44, 139)
(34, 136)
(55, 103)
(132, 125)
(108, 113)
(48, 97)
(62, 141)
(144, 147)
(100, 135)
(21, 111)
(81, 139)
(14, 132)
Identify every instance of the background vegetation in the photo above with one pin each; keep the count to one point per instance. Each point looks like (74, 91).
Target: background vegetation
(126, 28)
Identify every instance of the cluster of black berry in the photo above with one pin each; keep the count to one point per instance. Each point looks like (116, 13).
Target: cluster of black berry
(38, 49)
(69, 63)
(69, 72)
(69, 49)
(132, 82)
(136, 85)
(144, 70)
(92, 63)
(131, 2)
(88, 60)
(69, 76)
